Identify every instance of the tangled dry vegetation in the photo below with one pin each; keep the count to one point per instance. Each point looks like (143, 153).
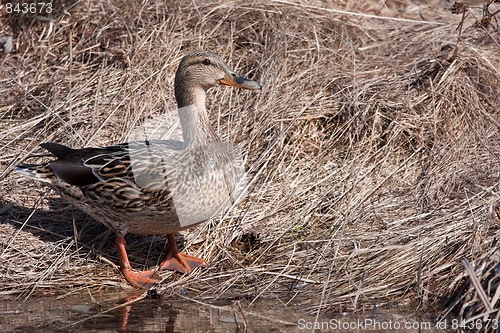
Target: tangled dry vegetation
(373, 149)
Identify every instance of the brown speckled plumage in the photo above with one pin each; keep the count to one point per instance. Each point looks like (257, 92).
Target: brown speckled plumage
(155, 187)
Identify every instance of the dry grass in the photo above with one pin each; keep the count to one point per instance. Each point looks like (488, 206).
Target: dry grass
(373, 148)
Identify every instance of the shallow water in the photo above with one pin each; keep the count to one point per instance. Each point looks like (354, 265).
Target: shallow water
(84, 312)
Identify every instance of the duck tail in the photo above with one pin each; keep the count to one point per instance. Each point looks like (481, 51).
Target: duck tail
(40, 172)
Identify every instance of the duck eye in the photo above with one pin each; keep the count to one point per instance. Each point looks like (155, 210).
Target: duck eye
(206, 62)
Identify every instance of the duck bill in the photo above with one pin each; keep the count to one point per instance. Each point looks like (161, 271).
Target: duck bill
(234, 80)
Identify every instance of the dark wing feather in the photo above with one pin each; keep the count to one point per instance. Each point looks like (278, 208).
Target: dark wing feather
(88, 166)
(73, 172)
(70, 166)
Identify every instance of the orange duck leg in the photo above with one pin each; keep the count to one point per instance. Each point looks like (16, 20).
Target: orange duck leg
(138, 279)
(177, 261)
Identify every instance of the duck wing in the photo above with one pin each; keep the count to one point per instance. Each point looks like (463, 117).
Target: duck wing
(70, 164)
(138, 162)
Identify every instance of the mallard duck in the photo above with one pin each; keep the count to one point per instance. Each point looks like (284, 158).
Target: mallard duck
(154, 187)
